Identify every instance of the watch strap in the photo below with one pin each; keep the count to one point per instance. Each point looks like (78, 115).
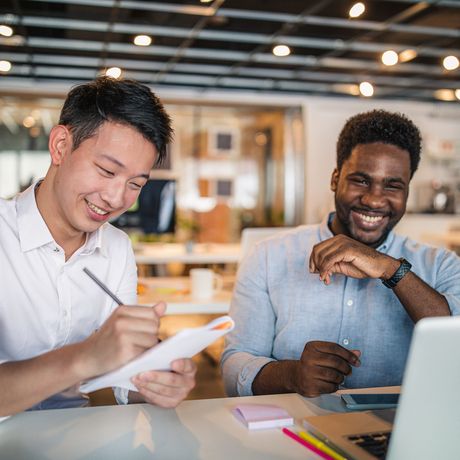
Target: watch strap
(399, 274)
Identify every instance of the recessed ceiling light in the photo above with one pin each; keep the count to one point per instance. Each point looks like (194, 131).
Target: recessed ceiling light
(281, 50)
(357, 10)
(457, 94)
(390, 57)
(6, 31)
(28, 121)
(450, 62)
(366, 89)
(205, 1)
(5, 66)
(445, 95)
(142, 40)
(407, 55)
(113, 72)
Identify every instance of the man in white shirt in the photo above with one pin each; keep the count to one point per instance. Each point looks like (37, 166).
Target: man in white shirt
(57, 327)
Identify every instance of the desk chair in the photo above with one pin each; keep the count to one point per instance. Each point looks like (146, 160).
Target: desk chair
(250, 236)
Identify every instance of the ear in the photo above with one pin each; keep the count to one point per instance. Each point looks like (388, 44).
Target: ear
(59, 144)
(335, 179)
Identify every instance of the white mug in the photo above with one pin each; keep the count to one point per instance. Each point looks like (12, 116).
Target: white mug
(204, 283)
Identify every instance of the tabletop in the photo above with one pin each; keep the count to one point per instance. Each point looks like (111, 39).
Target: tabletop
(175, 291)
(199, 253)
(202, 429)
(197, 429)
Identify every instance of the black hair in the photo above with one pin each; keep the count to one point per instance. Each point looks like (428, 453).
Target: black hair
(380, 126)
(127, 102)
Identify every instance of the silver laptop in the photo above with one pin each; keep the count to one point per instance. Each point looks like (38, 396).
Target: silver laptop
(427, 421)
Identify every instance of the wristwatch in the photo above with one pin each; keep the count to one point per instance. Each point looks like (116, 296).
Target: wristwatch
(398, 274)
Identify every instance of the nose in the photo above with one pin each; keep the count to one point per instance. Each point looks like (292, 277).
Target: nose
(374, 197)
(114, 194)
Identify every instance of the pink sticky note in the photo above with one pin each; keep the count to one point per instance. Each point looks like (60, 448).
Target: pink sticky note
(262, 416)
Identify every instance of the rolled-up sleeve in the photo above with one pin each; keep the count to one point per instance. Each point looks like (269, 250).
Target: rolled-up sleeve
(249, 346)
(448, 280)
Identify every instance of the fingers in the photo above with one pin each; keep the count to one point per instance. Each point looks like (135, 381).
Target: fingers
(323, 366)
(167, 389)
(160, 309)
(332, 352)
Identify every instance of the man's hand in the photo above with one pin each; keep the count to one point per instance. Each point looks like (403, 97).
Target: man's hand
(128, 332)
(323, 366)
(167, 389)
(341, 254)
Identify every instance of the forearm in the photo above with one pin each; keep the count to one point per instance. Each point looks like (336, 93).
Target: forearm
(419, 299)
(26, 383)
(275, 377)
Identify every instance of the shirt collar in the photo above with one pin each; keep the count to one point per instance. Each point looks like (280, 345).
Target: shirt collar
(326, 233)
(33, 231)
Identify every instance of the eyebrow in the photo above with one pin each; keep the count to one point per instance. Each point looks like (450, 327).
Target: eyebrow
(121, 165)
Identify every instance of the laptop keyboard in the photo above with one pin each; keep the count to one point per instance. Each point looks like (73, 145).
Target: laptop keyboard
(375, 444)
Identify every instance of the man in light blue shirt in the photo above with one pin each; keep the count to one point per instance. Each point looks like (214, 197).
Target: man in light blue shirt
(335, 304)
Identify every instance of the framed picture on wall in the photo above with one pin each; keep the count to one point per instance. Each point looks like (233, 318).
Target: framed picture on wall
(223, 141)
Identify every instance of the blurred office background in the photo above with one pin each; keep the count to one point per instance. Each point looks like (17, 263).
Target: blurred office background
(258, 92)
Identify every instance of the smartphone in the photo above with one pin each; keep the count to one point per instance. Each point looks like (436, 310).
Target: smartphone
(361, 401)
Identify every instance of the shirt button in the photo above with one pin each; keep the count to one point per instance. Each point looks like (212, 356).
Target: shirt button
(345, 341)
(56, 249)
(350, 303)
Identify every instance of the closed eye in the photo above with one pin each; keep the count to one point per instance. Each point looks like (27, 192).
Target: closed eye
(360, 181)
(105, 172)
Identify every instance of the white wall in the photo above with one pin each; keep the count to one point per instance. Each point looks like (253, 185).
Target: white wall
(324, 118)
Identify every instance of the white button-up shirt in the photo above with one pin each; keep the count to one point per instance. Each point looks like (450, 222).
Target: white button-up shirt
(46, 302)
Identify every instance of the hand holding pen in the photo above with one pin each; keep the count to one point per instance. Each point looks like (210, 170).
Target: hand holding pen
(129, 331)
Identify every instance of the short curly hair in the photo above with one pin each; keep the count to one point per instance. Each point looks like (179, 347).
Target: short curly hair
(380, 126)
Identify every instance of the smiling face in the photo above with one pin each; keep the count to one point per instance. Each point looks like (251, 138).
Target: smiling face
(99, 180)
(371, 192)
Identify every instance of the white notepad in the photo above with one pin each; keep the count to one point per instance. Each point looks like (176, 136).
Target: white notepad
(184, 344)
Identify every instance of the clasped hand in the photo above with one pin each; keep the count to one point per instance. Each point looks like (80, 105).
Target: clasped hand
(322, 367)
(344, 255)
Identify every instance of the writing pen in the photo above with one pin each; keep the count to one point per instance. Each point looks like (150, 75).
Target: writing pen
(102, 286)
(321, 445)
(306, 444)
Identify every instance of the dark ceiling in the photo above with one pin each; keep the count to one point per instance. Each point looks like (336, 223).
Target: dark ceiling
(226, 44)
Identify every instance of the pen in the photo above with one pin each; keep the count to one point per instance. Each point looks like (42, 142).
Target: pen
(102, 286)
(321, 445)
(306, 444)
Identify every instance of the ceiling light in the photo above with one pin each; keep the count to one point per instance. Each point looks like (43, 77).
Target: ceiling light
(205, 1)
(113, 72)
(450, 62)
(142, 40)
(390, 57)
(281, 50)
(5, 66)
(407, 55)
(6, 31)
(457, 94)
(28, 121)
(445, 95)
(366, 89)
(357, 10)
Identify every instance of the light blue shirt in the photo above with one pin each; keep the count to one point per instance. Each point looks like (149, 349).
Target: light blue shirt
(278, 306)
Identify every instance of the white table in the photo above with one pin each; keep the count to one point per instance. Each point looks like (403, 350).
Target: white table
(203, 429)
(202, 253)
(175, 291)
